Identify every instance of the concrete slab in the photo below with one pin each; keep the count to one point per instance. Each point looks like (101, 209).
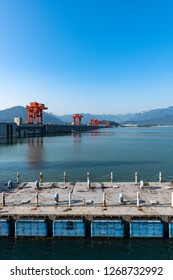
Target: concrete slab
(80, 193)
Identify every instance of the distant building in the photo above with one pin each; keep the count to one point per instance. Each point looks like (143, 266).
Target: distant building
(18, 121)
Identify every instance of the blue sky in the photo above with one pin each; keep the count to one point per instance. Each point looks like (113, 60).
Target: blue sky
(89, 56)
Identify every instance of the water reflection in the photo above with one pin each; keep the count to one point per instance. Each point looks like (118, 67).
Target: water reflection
(8, 141)
(95, 133)
(35, 151)
(77, 137)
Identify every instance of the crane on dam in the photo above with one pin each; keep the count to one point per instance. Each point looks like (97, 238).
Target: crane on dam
(77, 119)
(35, 113)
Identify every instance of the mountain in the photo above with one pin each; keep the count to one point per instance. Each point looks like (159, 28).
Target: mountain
(153, 117)
(87, 117)
(9, 114)
(162, 116)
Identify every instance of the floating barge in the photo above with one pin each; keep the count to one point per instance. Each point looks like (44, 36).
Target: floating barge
(82, 209)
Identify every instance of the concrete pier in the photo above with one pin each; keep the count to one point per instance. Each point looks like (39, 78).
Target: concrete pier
(153, 202)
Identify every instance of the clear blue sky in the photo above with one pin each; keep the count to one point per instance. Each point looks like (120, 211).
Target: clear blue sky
(96, 56)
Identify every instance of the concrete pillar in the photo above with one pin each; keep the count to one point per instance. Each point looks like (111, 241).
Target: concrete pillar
(65, 177)
(88, 184)
(88, 176)
(17, 177)
(104, 199)
(88, 180)
(36, 198)
(112, 178)
(41, 177)
(69, 199)
(160, 177)
(138, 196)
(136, 177)
(3, 199)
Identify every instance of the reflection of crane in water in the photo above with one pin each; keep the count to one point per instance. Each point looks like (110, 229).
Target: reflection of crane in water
(94, 133)
(77, 137)
(35, 152)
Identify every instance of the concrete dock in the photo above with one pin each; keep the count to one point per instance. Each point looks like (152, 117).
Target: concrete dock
(154, 199)
(98, 201)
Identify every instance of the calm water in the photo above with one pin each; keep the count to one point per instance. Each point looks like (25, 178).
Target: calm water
(122, 151)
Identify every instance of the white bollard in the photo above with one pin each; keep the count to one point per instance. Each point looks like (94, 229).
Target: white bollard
(10, 184)
(121, 198)
(141, 184)
(37, 184)
(56, 198)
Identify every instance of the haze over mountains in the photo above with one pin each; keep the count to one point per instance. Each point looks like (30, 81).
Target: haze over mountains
(162, 116)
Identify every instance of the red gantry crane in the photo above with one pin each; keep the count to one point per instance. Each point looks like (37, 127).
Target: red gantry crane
(77, 117)
(94, 122)
(35, 113)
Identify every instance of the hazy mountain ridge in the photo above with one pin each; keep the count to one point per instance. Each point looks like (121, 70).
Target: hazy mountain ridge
(8, 115)
(156, 117)
(162, 116)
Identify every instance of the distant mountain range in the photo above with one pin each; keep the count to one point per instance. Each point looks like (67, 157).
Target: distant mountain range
(162, 116)
(9, 114)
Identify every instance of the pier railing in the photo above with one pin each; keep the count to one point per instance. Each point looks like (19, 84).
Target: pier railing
(105, 192)
(92, 177)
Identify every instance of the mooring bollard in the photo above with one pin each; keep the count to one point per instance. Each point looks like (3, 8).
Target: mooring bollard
(56, 198)
(141, 184)
(3, 199)
(65, 177)
(137, 200)
(136, 177)
(104, 199)
(112, 179)
(36, 198)
(41, 177)
(10, 184)
(69, 199)
(160, 177)
(37, 184)
(17, 177)
(121, 198)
